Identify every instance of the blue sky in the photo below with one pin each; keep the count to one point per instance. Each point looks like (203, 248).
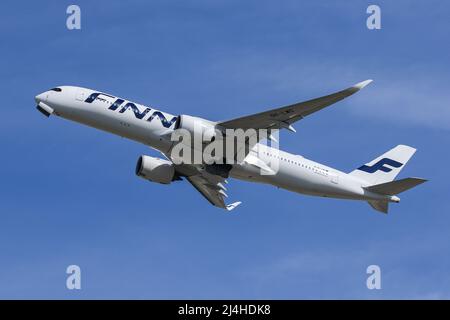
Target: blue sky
(69, 194)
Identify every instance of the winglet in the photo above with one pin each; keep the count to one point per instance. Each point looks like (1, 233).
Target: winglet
(231, 206)
(362, 84)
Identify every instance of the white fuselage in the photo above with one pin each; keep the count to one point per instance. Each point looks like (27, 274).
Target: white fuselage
(151, 127)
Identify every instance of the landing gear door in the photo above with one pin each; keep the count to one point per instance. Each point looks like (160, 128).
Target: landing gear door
(80, 95)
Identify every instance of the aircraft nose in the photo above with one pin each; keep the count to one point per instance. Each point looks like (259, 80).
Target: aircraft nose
(42, 97)
(42, 106)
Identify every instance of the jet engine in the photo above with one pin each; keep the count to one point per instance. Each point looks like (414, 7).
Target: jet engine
(156, 170)
(198, 128)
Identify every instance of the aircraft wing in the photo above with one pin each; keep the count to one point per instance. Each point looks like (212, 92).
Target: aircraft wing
(283, 117)
(212, 188)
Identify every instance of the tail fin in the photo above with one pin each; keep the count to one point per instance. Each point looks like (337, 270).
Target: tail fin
(386, 167)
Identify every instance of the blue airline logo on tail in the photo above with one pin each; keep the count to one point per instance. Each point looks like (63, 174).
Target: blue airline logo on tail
(381, 165)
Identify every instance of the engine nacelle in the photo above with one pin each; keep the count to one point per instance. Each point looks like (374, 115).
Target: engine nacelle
(156, 170)
(198, 128)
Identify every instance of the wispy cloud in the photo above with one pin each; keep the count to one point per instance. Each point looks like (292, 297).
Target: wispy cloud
(406, 96)
(419, 101)
(341, 273)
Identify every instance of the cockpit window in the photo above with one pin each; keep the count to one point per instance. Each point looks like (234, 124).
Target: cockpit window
(56, 89)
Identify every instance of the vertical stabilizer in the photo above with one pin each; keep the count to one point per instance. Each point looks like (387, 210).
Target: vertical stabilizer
(386, 167)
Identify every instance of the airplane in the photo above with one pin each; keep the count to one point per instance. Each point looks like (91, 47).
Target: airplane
(372, 182)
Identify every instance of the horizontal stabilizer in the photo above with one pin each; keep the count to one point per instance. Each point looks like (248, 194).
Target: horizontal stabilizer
(395, 187)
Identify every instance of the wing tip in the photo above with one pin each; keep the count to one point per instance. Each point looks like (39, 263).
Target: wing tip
(420, 180)
(362, 84)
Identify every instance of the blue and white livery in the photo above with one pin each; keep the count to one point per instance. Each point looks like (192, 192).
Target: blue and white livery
(372, 182)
